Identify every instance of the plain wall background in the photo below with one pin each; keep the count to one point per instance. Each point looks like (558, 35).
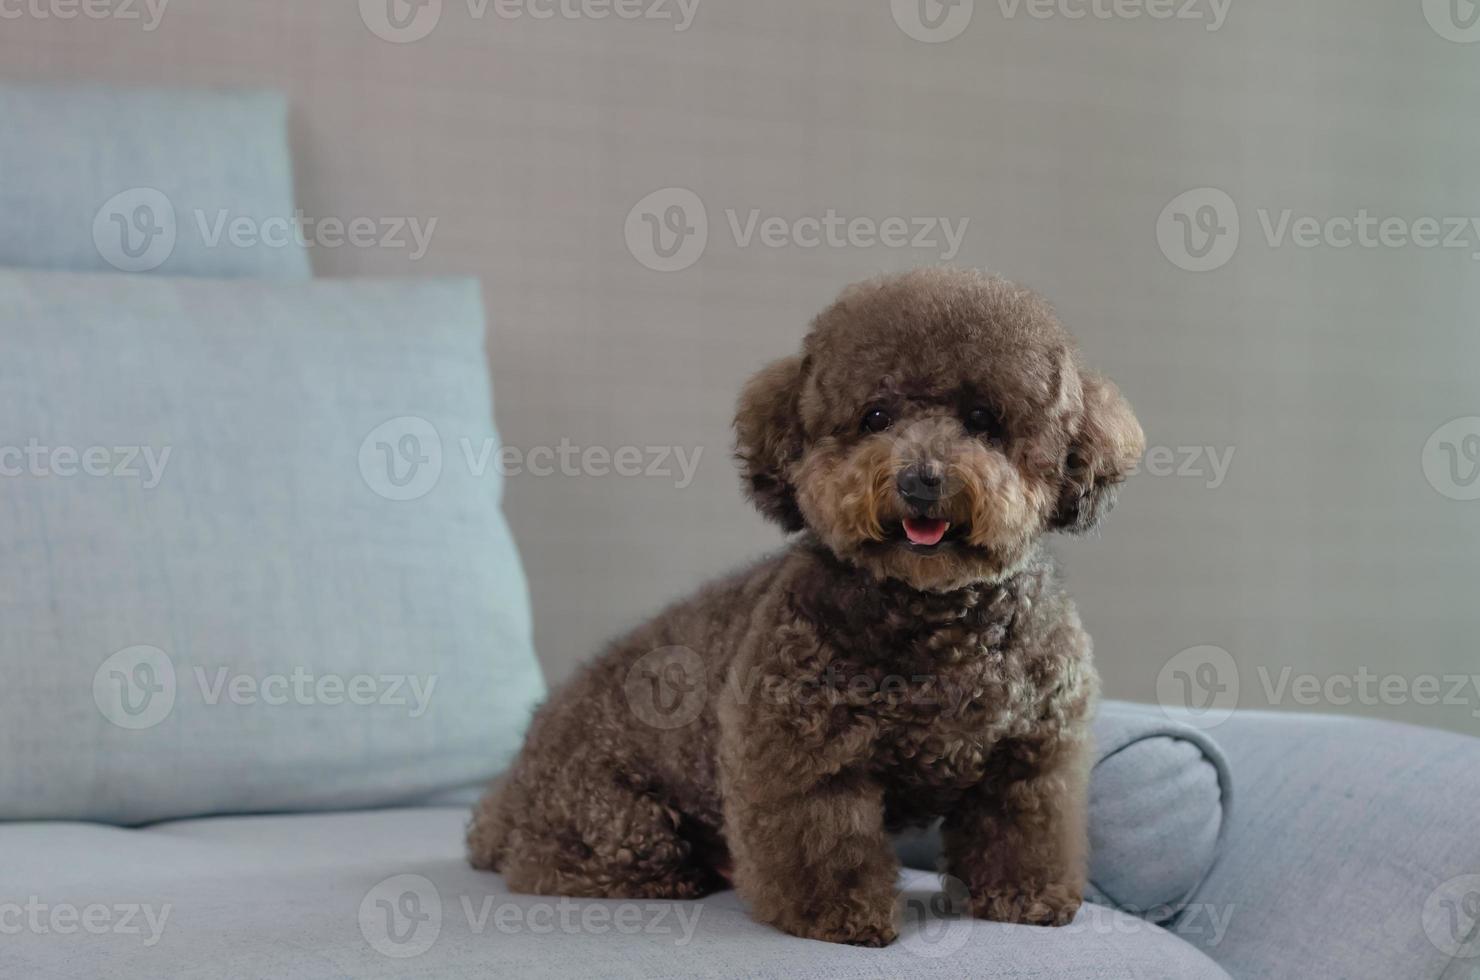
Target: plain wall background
(1325, 550)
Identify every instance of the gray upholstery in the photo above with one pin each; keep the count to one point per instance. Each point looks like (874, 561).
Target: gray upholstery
(1354, 850)
(300, 898)
(1351, 854)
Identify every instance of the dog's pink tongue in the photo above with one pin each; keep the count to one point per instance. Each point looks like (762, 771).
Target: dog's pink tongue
(925, 532)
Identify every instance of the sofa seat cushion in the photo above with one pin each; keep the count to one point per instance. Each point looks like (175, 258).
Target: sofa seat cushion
(389, 894)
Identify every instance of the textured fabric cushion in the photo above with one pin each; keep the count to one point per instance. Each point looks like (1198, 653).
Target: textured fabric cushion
(388, 894)
(1159, 797)
(249, 564)
(142, 181)
(1352, 853)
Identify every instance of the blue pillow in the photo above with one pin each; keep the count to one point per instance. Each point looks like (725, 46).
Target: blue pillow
(178, 183)
(254, 553)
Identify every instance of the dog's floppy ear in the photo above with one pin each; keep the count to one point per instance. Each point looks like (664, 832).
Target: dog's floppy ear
(769, 439)
(1106, 446)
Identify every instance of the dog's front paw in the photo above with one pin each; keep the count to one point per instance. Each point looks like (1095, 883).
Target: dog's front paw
(1052, 905)
(845, 925)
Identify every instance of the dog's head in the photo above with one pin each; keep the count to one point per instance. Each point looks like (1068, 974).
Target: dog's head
(935, 425)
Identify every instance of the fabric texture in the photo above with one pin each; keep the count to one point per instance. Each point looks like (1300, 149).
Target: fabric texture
(1159, 799)
(255, 557)
(389, 894)
(1352, 852)
(139, 180)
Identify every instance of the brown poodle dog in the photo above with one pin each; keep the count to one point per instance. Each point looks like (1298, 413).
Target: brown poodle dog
(909, 656)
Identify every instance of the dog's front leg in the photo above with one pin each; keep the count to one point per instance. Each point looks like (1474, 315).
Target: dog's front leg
(816, 862)
(1019, 839)
(804, 820)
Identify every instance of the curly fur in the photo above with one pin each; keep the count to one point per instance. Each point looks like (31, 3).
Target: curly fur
(774, 728)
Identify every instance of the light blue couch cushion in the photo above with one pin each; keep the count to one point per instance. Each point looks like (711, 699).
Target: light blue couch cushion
(254, 552)
(1354, 851)
(389, 894)
(138, 180)
(1160, 798)
(1160, 795)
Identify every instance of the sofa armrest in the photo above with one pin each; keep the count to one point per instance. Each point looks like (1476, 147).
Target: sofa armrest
(1354, 852)
(1158, 800)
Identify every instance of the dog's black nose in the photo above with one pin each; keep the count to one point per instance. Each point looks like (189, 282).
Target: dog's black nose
(922, 484)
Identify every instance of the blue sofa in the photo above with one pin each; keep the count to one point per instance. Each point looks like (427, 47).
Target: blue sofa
(1350, 853)
(157, 823)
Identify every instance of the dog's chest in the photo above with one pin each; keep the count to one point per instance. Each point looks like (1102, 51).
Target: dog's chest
(940, 710)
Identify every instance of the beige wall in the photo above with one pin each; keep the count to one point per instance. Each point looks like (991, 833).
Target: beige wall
(1325, 371)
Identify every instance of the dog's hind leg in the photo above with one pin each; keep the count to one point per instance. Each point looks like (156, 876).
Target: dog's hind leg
(586, 831)
(489, 829)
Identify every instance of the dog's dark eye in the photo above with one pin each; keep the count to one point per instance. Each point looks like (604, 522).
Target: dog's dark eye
(981, 421)
(877, 420)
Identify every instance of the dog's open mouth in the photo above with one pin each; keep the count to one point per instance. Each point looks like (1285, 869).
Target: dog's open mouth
(929, 533)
